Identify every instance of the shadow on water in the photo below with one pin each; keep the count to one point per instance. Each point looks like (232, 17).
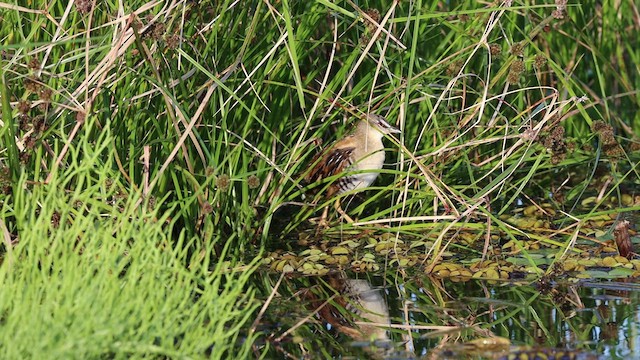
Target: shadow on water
(400, 316)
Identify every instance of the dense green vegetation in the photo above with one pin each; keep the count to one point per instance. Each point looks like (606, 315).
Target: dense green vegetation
(149, 151)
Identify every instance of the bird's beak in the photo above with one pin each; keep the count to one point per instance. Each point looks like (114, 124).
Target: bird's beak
(394, 130)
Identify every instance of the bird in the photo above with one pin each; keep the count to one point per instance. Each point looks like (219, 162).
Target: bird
(357, 158)
(358, 309)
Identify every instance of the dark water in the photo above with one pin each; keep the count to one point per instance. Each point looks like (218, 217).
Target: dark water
(426, 318)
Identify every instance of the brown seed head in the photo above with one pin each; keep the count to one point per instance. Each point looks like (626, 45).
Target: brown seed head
(454, 68)
(374, 14)
(45, 94)
(30, 142)
(24, 122)
(158, 31)
(173, 41)
(24, 106)
(495, 49)
(32, 84)
(25, 156)
(39, 123)
(515, 70)
(253, 182)
(83, 6)
(539, 61)
(610, 145)
(517, 49)
(371, 27)
(207, 208)
(223, 181)
(558, 14)
(44, 106)
(152, 203)
(34, 64)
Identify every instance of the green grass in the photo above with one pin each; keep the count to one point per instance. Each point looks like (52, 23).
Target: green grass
(93, 273)
(164, 132)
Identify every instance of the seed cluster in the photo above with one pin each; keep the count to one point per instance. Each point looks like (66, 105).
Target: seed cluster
(556, 143)
(610, 145)
(370, 27)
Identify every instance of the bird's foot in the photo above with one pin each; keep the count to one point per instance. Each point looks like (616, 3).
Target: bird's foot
(321, 224)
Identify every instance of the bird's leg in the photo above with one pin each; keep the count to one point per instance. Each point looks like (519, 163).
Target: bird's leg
(342, 213)
(321, 222)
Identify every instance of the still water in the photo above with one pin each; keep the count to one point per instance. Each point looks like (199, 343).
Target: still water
(396, 315)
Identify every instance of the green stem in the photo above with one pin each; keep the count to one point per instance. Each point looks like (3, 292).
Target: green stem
(8, 134)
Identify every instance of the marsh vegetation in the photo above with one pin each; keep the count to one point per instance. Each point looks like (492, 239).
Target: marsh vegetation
(153, 156)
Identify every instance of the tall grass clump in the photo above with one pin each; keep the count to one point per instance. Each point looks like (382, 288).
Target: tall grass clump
(217, 108)
(502, 105)
(189, 124)
(94, 272)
